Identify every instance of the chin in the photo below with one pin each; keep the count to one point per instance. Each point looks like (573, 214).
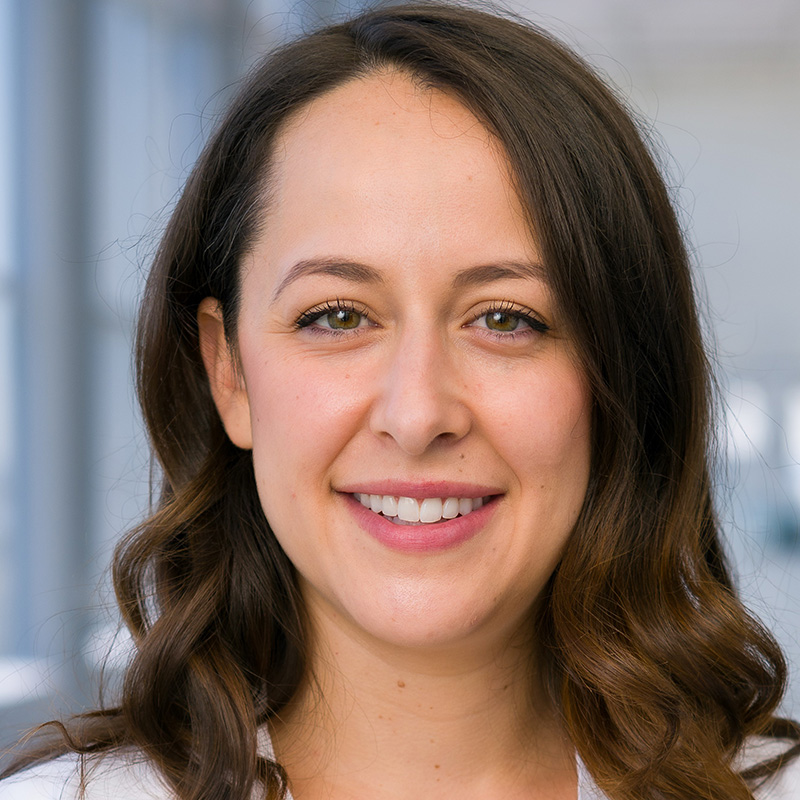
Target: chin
(416, 621)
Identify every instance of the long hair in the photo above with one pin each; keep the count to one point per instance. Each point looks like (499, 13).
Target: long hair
(657, 670)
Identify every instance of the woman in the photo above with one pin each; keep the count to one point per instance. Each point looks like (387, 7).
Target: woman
(421, 364)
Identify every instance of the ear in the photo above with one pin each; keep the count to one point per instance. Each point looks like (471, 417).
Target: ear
(227, 383)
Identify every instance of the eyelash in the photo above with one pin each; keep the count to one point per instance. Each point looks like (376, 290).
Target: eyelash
(534, 324)
(308, 318)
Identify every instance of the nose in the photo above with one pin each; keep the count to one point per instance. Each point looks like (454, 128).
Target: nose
(421, 400)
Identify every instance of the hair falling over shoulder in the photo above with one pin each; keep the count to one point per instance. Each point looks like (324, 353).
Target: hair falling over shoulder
(658, 671)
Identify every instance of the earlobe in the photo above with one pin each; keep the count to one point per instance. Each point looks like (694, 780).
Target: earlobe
(227, 384)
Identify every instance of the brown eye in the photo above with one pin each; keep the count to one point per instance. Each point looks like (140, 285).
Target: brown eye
(509, 319)
(502, 321)
(334, 317)
(343, 319)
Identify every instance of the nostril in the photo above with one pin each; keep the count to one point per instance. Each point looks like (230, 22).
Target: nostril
(420, 402)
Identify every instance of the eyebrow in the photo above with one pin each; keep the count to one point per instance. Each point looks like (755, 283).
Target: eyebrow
(503, 270)
(357, 272)
(349, 270)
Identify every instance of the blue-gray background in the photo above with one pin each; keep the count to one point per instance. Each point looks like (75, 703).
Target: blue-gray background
(104, 105)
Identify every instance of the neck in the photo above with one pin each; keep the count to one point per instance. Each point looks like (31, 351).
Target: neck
(383, 721)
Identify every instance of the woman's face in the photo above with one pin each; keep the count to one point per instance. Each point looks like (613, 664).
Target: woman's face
(400, 349)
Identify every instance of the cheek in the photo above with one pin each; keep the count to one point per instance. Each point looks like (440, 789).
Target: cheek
(300, 414)
(545, 424)
(301, 421)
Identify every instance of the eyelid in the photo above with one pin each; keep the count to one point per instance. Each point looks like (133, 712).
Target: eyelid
(307, 318)
(532, 320)
(526, 314)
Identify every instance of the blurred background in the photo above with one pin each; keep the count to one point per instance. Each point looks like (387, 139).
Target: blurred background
(105, 104)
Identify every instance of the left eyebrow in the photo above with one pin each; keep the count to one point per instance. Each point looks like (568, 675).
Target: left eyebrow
(340, 268)
(487, 273)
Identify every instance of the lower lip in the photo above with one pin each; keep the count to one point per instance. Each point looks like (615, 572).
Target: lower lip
(425, 537)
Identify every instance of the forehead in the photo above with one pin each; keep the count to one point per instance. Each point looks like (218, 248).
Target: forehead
(384, 172)
(385, 141)
(391, 102)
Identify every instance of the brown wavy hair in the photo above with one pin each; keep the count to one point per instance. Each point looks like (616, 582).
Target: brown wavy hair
(659, 672)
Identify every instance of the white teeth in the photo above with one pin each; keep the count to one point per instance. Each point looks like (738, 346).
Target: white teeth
(389, 506)
(407, 509)
(430, 510)
(450, 508)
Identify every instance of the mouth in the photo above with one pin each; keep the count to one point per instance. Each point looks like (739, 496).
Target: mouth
(423, 511)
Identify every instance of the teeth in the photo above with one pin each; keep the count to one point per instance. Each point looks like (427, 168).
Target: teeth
(408, 509)
(450, 508)
(389, 506)
(431, 509)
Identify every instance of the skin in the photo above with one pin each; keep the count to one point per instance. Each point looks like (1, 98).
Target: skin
(424, 659)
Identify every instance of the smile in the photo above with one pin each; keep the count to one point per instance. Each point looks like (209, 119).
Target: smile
(410, 511)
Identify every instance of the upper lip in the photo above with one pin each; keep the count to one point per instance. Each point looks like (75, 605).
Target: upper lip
(419, 490)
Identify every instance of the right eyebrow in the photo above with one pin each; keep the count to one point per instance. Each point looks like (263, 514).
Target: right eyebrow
(502, 270)
(341, 268)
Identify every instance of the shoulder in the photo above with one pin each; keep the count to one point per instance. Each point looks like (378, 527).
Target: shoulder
(784, 784)
(124, 775)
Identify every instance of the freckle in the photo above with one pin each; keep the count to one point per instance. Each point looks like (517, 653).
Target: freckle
(401, 684)
(505, 687)
(436, 766)
(432, 741)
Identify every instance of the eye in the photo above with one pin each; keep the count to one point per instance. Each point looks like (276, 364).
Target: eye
(502, 321)
(343, 319)
(334, 316)
(507, 318)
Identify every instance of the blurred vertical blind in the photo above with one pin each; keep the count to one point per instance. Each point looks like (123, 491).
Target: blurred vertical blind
(104, 105)
(6, 337)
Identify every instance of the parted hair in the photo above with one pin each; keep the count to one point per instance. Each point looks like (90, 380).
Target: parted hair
(657, 670)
